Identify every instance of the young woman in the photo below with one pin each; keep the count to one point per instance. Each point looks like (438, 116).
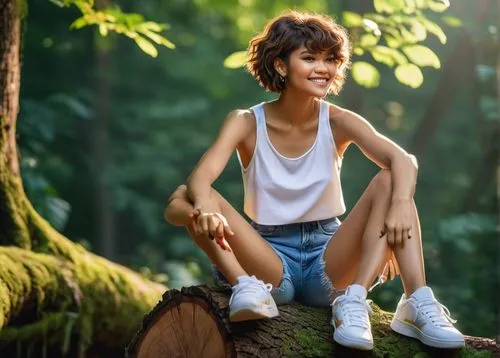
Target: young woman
(290, 151)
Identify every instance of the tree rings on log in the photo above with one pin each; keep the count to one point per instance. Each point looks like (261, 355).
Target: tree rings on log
(186, 323)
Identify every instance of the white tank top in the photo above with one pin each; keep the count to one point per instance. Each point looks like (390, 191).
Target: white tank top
(281, 190)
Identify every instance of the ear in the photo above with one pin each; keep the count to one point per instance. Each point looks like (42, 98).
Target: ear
(280, 66)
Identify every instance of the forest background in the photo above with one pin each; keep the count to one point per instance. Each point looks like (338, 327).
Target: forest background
(107, 133)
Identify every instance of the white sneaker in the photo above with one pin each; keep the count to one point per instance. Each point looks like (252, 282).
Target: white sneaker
(350, 319)
(421, 316)
(251, 299)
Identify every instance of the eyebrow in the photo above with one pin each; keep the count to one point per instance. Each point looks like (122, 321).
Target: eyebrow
(306, 51)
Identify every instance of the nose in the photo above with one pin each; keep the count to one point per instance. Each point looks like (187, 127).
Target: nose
(321, 67)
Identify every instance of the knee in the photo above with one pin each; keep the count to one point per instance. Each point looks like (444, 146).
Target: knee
(383, 182)
(181, 189)
(179, 193)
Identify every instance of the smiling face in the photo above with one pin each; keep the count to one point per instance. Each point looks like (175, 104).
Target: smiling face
(308, 72)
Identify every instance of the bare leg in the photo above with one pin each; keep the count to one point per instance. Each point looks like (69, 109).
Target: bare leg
(251, 253)
(356, 254)
(411, 258)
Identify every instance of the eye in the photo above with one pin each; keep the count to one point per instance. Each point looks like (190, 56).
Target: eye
(308, 59)
(330, 59)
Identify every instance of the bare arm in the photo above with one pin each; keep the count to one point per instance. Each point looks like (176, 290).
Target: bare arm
(352, 128)
(213, 162)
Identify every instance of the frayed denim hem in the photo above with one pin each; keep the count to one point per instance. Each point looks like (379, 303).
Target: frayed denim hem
(326, 282)
(285, 292)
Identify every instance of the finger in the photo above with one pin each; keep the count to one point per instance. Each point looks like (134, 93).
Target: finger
(226, 245)
(399, 237)
(220, 229)
(212, 226)
(390, 237)
(204, 224)
(195, 213)
(223, 244)
(406, 234)
(228, 231)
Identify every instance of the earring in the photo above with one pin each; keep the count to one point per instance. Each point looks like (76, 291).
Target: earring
(282, 78)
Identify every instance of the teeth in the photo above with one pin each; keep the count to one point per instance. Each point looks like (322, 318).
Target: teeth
(319, 80)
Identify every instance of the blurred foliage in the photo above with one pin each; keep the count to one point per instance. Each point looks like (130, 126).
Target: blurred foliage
(163, 113)
(113, 19)
(391, 36)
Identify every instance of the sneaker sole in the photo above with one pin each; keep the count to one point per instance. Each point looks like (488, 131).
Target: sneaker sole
(246, 314)
(411, 331)
(350, 342)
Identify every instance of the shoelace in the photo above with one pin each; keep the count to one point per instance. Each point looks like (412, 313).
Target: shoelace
(354, 310)
(435, 311)
(251, 285)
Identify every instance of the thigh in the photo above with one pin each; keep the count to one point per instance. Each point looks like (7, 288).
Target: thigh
(253, 253)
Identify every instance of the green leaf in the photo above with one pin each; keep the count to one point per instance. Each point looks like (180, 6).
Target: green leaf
(388, 56)
(389, 6)
(358, 51)
(409, 75)
(422, 56)
(165, 42)
(418, 29)
(146, 46)
(351, 19)
(79, 23)
(452, 21)
(103, 30)
(392, 41)
(420, 3)
(372, 26)
(434, 29)
(152, 26)
(365, 74)
(438, 5)
(236, 59)
(368, 40)
(160, 40)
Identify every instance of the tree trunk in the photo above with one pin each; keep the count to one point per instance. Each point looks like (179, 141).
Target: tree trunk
(101, 147)
(193, 323)
(51, 289)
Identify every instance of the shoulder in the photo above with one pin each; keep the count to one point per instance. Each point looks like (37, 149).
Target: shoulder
(344, 119)
(339, 115)
(238, 123)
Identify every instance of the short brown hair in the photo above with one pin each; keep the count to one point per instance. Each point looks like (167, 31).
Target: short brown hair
(286, 33)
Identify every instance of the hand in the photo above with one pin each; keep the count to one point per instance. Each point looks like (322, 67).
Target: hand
(398, 223)
(212, 225)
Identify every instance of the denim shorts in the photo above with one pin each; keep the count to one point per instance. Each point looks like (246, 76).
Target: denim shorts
(300, 246)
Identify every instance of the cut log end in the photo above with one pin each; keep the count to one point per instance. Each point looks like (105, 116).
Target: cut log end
(184, 324)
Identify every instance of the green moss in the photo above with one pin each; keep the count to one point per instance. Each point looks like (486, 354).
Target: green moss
(109, 300)
(13, 213)
(469, 352)
(307, 343)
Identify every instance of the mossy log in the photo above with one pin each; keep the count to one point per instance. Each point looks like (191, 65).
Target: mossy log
(68, 298)
(193, 323)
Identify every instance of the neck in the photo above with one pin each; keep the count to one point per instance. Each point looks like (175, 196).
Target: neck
(296, 109)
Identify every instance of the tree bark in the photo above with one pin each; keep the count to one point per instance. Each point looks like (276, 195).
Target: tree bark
(106, 234)
(193, 323)
(51, 289)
